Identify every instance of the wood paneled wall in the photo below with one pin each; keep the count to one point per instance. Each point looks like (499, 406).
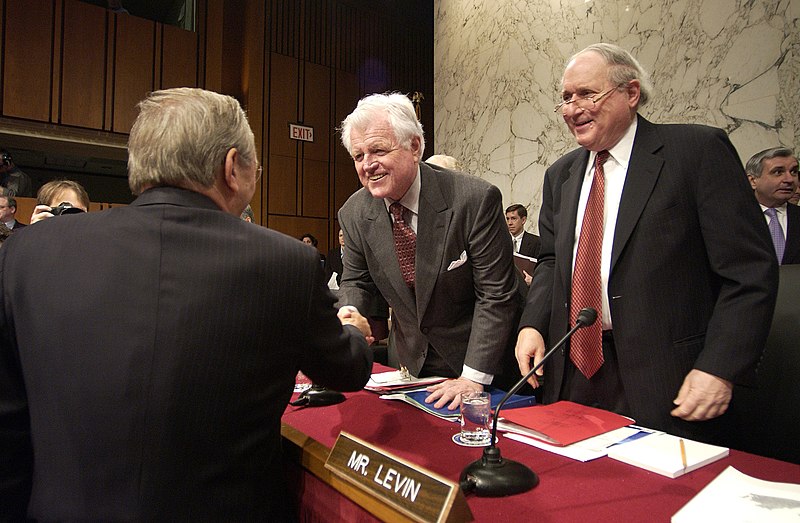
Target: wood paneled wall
(74, 65)
(320, 57)
(69, 63)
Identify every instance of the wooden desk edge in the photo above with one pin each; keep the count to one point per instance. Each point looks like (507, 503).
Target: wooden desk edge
(312, 457)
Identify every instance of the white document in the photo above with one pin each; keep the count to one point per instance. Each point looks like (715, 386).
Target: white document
(585, 450)
(734, 497)
(663, 454)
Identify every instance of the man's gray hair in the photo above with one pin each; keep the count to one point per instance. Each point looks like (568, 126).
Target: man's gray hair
(181, 137)
(756, 162)
(623, 68)
(400, 112)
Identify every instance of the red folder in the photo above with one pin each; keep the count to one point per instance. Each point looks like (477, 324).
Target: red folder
(564, 422)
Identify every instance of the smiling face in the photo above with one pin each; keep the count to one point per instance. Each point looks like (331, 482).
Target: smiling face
(384, 168)
(597, 126)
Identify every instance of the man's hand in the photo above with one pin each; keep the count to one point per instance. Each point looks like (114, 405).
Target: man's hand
(703, 396)
(40, 212)
(349, 315)
(528, 278)
(450, 391)
(530, 344)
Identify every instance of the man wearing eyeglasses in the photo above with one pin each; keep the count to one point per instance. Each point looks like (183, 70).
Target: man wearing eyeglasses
(8, 211)
(655, 227)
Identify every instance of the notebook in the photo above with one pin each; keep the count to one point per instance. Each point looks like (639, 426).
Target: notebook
(661, 453)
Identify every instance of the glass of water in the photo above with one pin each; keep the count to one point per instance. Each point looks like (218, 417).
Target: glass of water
(476, 418)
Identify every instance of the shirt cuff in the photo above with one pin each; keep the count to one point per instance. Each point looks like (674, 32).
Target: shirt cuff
(476, 376)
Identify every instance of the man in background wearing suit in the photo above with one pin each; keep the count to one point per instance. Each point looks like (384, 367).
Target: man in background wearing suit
(525, 243)
(773, 176)
(8, 211)
(666, 243)
(434, 243)
(146, 362)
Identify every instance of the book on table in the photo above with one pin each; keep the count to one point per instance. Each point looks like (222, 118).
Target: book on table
(665, 454)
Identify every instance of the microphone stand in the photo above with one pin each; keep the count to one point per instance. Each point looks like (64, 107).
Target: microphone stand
(493, 476)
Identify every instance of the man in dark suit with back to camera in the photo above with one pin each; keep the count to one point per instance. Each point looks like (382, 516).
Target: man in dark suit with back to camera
(668, 245)
(773, 176)
(434, 243)
(146, 361)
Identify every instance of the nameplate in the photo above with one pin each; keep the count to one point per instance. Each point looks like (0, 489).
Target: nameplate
(417, 493)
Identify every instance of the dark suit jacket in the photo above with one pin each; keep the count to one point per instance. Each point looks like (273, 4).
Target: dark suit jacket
(18, 225)
(693, 272)
(791, 254)
(333, 263)
(465, 310)
(155, 348)
(530, 245)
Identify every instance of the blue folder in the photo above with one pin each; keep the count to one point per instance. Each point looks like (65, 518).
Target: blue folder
(417, 399)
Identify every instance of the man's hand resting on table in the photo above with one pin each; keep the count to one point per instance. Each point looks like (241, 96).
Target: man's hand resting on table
(450, 391)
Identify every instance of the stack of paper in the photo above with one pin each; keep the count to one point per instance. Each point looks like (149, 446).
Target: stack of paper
(396, 380)
(665, 454)
(735, 497)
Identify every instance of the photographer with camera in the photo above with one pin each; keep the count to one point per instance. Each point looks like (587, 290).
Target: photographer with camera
(59, 197)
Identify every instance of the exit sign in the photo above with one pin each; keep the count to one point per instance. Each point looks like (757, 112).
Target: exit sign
(301, 132)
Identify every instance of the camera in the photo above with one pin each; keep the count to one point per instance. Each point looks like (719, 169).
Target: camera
(64, 208)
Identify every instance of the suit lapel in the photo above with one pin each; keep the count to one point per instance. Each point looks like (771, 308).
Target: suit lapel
(432, 225)
(644, 169)
(792, 249)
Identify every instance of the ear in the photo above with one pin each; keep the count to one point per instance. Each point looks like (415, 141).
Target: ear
(414, 148)
(230, 170)
(633, 91)
(752, 181)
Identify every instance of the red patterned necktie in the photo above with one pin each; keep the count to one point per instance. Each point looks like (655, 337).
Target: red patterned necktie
(586, 346)
(405, 243)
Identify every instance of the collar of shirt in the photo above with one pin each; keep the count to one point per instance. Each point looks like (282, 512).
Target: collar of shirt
(11, 224)
(781, 214)
(518, 236)
(410, 201)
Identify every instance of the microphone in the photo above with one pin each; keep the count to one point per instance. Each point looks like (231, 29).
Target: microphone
(318, 396)
(493, 476)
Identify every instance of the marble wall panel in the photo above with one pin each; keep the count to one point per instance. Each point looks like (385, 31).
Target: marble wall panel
(734, 64)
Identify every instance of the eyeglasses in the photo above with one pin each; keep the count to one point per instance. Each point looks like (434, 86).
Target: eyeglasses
(585, 102)
(259, 171)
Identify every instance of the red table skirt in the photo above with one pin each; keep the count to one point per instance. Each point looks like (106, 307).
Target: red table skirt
(599, 490)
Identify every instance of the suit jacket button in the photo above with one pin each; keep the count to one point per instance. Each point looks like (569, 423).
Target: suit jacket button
(425, 330)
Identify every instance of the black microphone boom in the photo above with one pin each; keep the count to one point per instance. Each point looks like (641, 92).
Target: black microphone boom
(493, 476)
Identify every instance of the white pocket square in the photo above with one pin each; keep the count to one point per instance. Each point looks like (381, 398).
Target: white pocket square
(455, 264)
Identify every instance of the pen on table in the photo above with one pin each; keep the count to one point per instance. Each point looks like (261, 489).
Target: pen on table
(683, 455)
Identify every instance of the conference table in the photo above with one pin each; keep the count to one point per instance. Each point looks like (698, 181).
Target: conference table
(569, 490)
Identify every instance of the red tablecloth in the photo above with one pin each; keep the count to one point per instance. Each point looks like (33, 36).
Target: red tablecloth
(599, 490)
